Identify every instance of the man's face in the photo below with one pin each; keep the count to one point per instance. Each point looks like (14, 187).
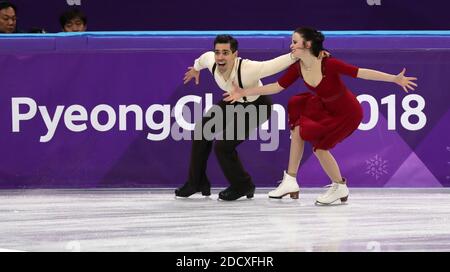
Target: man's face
(7, 20)
(224, 57)
(75, 25)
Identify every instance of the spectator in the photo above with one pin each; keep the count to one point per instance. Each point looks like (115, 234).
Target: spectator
(73, 20)
(8, 18)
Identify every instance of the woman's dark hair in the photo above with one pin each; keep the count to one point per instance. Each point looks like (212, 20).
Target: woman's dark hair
(314, 36)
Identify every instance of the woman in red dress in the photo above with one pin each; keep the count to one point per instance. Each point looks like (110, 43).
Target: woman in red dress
(325, 115)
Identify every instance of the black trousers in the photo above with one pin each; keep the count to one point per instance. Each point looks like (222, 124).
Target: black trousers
(225, 149)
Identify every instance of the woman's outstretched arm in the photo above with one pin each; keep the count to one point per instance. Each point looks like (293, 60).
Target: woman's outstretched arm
(400, 79)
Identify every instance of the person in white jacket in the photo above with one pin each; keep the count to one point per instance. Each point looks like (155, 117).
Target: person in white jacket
(226, 68)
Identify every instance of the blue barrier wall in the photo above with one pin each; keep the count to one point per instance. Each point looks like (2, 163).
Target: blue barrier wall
(96, 73)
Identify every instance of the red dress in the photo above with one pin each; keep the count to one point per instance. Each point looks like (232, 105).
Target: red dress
(328, 113)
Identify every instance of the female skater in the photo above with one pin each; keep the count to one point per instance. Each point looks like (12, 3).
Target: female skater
(325, 116)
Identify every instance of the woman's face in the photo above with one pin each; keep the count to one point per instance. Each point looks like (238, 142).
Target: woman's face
(298, 46)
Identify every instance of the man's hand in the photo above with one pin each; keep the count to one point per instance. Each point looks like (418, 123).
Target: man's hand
(324, 54)
(190, 74)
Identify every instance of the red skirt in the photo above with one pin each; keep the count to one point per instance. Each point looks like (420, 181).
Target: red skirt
(322, 122)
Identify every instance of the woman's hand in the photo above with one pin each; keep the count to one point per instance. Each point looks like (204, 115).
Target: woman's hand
(405, 82)
(235, 94)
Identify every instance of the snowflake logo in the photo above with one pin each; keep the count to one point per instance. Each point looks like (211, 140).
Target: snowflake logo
(376, 167)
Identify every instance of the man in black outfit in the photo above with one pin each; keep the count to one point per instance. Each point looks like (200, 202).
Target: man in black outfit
(227, 69)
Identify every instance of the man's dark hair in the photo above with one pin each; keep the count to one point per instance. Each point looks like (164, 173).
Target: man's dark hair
(227, 39)
(7, 4)
(70, 15)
